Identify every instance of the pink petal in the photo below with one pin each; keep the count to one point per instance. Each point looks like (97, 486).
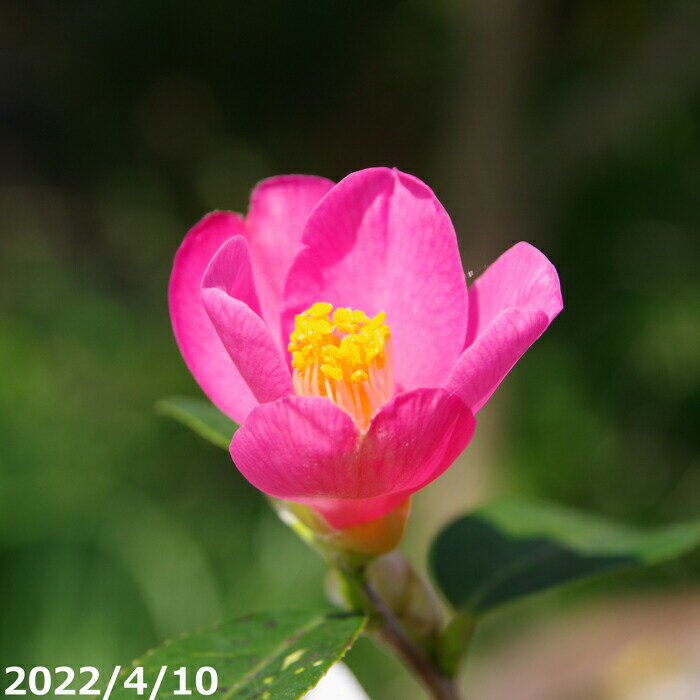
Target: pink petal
(306, 449)
(381, 241)
(278, 211)
(414, 438)
(299, 446)
(511, 305)
(199, 343)
(229, 296)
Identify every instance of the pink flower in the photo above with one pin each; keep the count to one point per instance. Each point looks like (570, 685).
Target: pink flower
(374, 395)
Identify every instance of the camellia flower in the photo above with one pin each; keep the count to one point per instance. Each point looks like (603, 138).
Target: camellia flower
(333, 324)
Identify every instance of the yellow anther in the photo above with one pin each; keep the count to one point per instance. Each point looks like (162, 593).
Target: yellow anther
(359, 375)
(320, 309)
(341, 354)
(332, 372)
(331, 351)
(341, 315)
(323, 326)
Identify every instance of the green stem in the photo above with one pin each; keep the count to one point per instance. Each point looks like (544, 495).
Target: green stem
(440, 685)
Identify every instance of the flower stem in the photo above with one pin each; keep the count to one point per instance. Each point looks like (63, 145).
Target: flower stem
(440, 686)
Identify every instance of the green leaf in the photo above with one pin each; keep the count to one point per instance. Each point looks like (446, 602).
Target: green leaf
(199, 415)
(280, 655)
(512, 548)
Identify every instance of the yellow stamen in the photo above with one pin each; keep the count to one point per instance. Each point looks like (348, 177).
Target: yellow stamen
(344, 355)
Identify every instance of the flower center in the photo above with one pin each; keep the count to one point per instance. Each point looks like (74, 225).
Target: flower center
(345, 356)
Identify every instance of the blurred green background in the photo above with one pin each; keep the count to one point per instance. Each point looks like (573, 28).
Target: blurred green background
(574, 124)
